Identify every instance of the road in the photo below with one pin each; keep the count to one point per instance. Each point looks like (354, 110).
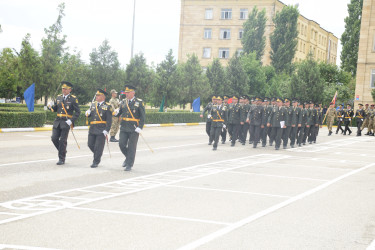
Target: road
(186, 196)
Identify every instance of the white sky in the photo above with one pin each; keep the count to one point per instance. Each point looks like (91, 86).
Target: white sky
(88, 22)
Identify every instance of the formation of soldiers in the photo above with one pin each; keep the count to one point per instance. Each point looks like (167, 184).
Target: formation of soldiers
(104, 118)
(289, 122)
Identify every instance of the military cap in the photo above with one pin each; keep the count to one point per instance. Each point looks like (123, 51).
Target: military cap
(217, 97)
(113, 91)
(372, 104)
(225, 97)
(258, 99)
(279, 99)
(311, 102)
(246, 97)
(273, 99)
(66, 85)
(360, 104)
(101, 92)
(266, 99)
(129, 88)
(348, 104)
(366, 104)
(295, 100)
(252, 99)
(340, 105)
(286, 100)
(316, 106)
(235, 97)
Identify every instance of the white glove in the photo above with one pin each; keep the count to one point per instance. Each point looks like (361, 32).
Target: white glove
(88, 112)
(116, 111)
(224, 126)
(105, 133)
(50, 104)
(350, 119)
(361, 119)
(69, 122)
(209, 116)
(138, 130)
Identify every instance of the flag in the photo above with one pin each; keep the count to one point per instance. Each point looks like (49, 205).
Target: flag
(29, 96)
(197, 105)
(334, 98)
(162, 104)
(230, 100)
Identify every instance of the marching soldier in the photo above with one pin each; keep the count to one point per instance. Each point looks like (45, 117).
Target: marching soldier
(340, 119)
(115, 103)
(366, 121)
(277, 121)
(219, 119)
(100, 114)
(360, 115)
(330, 116)
(256, 119)
(296, 122)
(302, 129)
(208, 121)
(267, 109)
(224, 130)
(132, 113)
(234, 118)
(348, 115)
(288, 122)
(68, 111)
(371, 121)
(244, 112)
(320, 120)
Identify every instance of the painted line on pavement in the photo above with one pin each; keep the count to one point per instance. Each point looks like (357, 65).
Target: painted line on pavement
(208, 238)
(6, 246)
(152, 215)
(371, 246)
(277, 176)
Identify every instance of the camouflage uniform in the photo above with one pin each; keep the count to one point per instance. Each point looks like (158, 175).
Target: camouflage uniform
(331, 115)
(115, 103)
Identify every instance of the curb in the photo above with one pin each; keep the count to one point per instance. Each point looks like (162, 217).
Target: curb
(9, 130)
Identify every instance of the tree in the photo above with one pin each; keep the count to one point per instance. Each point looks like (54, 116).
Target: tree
(217, 79)
(237, 77)
(139, 74)
(52, 53)
(255, 73)
(284, 39)
(253, 39)
(8, 74)
(306, 83)
(0, 29)
(350, 37)
(164, 85)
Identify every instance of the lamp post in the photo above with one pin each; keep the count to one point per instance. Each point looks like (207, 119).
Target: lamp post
(133, 31)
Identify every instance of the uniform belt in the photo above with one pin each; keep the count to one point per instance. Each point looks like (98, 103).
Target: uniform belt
(98, 122)
(61, 115)
(220, 120)
(131, 119)
(348, 117)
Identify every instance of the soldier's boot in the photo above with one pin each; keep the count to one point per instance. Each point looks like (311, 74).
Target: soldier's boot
(254, 145)
(210, 143)
(330, 133)
(94, 165)
(350, 132)
(214, 148)
(60, 162)
(124, 164)
(113, 139)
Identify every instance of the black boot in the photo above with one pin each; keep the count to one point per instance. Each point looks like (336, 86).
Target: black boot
(113, 139)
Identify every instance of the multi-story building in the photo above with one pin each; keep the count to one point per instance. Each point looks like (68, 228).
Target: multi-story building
(213, 29)
(365, 80)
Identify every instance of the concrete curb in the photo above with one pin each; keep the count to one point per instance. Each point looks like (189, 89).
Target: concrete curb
(49, 128)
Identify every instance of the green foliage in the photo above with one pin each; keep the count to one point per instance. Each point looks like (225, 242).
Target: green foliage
(350, 37)
(253, 39)
(8, 74)
(373, 94)
(255, 73)
(22, 119)
(217, 79)
(237, 76)
(284, 39)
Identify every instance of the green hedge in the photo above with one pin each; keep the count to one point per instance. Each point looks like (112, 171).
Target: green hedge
(22, 119)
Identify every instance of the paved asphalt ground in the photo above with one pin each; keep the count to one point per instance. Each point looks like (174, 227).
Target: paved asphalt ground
(186, 196)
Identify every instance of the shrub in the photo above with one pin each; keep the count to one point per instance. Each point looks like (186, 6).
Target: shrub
(22, 119)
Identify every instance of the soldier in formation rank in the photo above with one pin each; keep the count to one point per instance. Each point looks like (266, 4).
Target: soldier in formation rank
(331, 116)
(256, 118)
(295, 122)
(276, 120)
(218, 120)
(132, 113)
(340, 119)
(348, 115)
(301, 130)
(371, 122)
(288, 122)
(100, 114)
(208, 121)
(360, 116)
(67, 109)
(224, 130)
(234, 119)
(244, 128)
(115, 103)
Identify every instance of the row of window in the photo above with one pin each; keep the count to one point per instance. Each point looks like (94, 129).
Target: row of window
(224, 34)
(223, 53)
(321, 39)
(225, 14)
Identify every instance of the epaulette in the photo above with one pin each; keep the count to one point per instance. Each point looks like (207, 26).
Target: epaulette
(140, 100)
(60, 95)
(108, 103)
(73, 96)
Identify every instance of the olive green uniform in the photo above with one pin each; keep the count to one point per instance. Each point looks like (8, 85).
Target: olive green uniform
(330, 118)
(115, 104)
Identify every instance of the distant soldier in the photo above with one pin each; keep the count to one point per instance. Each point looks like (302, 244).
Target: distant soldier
(234, 119)
(68, 111)
(348, 115)
(132, 113)
(255, 119)
(295, 122)
(208, 121)
(288, 122)
(267, 109)
(371, 122)
(301, 130)
(115, 104)
(100, 114)
(219, 119)
(340, 119)
(224, 130)
(277, 122)
(320, 119)
(244, 112)
(360, 116)
(330, 117)
(366, 121)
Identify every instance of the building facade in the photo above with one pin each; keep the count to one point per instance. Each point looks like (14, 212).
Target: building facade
(213, 29)
(365, 81)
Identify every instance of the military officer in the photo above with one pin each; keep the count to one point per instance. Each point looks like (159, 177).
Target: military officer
(244, 112)
(360, 116)
(208, 110)
(277, 121)
(132, 113)
(340, 119)
(330, 116)
(234, 119)
(371, 122)
(366, 121)
(348, 115)
(295, 122)
(288, 122)
(100, 114)
(115, 103)
(301, 130)
(67, 109)
(256, 119)
(266, 112)
(224, 130)
(219, 119)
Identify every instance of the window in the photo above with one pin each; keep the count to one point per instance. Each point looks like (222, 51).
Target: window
(209, 14)
(240, 34)
(372, 78)
(224, 33)
(207, 33)
(206, 52)
(224, 53)
(239, 52)
(243, 13)
(226, 13)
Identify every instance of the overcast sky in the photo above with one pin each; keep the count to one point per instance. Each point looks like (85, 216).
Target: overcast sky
(88, 22)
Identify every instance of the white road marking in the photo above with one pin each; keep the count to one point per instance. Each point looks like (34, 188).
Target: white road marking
(371, 246)
(241, 223)
(230, 191)
(278, 176)
(36, 205)
(6, 246)
(151, 215)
